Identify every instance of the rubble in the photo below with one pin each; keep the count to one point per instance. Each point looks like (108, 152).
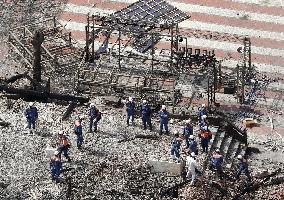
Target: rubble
(114, 162)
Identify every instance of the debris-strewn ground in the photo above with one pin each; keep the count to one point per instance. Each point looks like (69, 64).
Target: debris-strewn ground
(112, 164)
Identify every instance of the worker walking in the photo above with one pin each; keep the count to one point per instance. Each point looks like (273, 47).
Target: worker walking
(95, 117)
(205, 135)
(192, 145)
(64, 145)
(55, 166)
(130, 109)
(79, 133)
(146, 115)
(175, 147)
(31, 115)
(164, 120)
(216, 163)
(187, 132)
(243, 168)
(192, 167)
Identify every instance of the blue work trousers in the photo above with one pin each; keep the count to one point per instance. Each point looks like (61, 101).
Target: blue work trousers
(93, 123)
(164, 125)
(80, 140)
(31, 123)
(146, 120)
(175, 152)
(64, 149)
(187, 142)
(130, 115)
(55, 172)
(204, 144)
(246, 172)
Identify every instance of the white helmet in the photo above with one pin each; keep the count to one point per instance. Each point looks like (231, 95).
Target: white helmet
(92, 105)
(191, 137)
(163, 107)
(188, 121)
(144, 101)
(192, 154)
(239, 157)
(217, 150)
(61, 132)
(81, 116)
(203, 116)
(205, 128)
(56, 153)
(130, 99)
(203, 105)
(31, 104)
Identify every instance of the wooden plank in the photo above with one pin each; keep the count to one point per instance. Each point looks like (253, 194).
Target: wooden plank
(21, 44)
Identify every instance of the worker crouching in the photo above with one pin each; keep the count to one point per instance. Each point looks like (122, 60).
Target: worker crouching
(64, 145)
(243, 168)
(216, 163)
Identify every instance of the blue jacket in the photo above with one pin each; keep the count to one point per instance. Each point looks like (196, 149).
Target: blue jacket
(145, 110)
(55, 165)
(193, 146)
(176, 143)
(93, 112)
(243, 166)
(202, 111)
(130, 108)
(217, 160)
(187, 131)
(31, 113)
(78, 130)
(164, 117)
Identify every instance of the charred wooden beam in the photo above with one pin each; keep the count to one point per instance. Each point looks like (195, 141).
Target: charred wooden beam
(4, 124)
(42, 96)
(69, 110)
(16, 77)
(36, 42)
(153, 137)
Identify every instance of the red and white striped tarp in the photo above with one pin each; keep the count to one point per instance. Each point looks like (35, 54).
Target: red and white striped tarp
(226, 20)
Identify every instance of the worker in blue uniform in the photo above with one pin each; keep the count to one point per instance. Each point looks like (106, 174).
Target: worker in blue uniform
(216, 163)
(187, 132)
(146, 115)
(164, 120)
(55, 166)
(31, 114)
(95, 117)
(130, 110)
(243, 168)
(175, 146)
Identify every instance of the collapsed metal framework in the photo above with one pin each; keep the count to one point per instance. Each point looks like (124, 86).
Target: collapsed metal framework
(130, 40)
(244, 69)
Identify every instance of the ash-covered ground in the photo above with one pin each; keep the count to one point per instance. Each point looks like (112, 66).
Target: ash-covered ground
(112, 164)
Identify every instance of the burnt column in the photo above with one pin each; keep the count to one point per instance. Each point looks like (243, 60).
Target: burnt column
(36, 42)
